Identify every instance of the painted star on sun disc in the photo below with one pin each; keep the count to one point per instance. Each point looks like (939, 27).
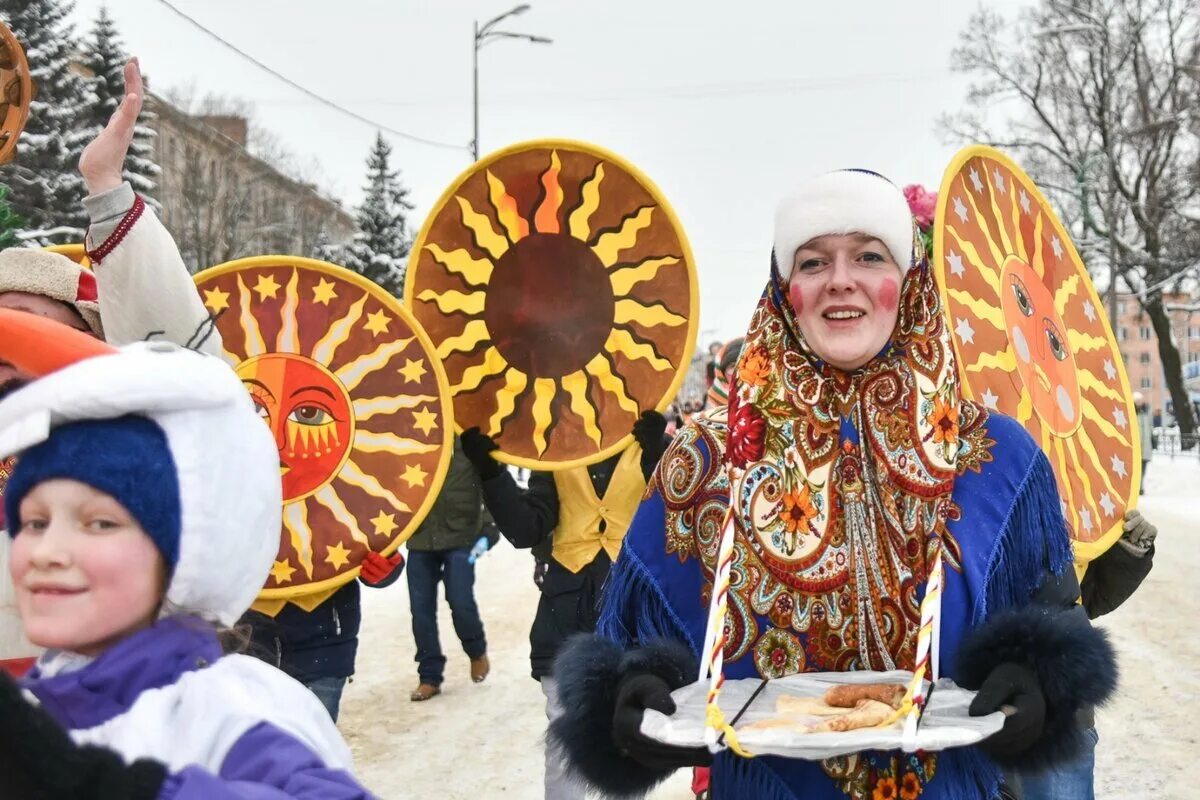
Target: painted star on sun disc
(1024, 202)
(384, 523)
(377, 322)
(956, 265)
(960, 208)
(998, 179)
(323, 292)
(424, 420)
(413, 370)
(965, 332)
(216, 300)
(266, 287)
(1107, 504)
(1089, 310)
(976, 181)
(337, 556)
(282, 571)
(1120, 418)
(1118, 466)
(1110, 370)
(414, 476)
(990, 399)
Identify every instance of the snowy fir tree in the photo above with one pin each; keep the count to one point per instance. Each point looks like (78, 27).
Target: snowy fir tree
(380, 248)
(47, 189)
(105, 58)
(10, 223)
(323, 248)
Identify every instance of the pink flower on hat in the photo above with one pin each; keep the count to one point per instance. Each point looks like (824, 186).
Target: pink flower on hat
(922, 203)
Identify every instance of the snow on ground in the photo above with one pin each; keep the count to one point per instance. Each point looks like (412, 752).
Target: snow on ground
(485, 741)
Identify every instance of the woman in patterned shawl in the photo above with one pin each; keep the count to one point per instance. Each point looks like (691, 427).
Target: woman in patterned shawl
(851, 456)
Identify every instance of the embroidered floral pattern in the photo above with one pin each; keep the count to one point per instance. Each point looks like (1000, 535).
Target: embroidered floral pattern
(778, 653)
(882, 775)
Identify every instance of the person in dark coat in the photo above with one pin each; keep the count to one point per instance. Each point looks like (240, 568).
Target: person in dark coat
(574, 522)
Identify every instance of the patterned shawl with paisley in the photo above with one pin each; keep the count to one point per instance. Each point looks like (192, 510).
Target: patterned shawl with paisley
(841, 482)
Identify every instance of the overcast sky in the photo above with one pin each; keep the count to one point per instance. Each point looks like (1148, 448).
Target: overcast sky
(724, 105)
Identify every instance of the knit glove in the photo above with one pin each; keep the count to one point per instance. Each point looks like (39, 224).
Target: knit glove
(1014, 688)
(376, 568)
(635, 694)
(38, 760)
(478, 447)
(1139, 533)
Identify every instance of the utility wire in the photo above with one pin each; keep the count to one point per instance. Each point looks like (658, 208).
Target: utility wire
(314, 95)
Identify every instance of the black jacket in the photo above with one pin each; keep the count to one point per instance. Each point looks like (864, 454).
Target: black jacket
(308, 645)
(527, 518)
(456, 519)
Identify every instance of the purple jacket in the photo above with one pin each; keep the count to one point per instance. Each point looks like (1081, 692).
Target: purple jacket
(225, 726)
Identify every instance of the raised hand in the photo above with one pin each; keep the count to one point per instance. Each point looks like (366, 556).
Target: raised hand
(103, 160)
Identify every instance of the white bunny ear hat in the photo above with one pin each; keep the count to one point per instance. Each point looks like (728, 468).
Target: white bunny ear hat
(227, 462)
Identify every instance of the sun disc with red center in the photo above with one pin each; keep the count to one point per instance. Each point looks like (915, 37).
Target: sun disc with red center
(356, 400)
(560, 291)
(1033, 340)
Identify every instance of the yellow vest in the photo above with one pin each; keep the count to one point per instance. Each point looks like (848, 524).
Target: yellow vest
(578, 539)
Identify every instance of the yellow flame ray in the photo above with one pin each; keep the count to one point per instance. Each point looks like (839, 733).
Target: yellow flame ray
(288, 340)
(493, 243)
(622, 341)
(545, 219)
(1089, 449)
(390, 443)
(579, 222)
(1087, 380)
(998, 216)
(354, 476)
(369, 407)
(1084, 343)
(1004, 360)
(255, 346)
(1039, 262)
(649, 315)
(544, 390)
(576, 386)
(475, 332)
(1065, 293)
(982, 310)
(997, 254)
(1085, 478)
(492, 364)
(990, 276)
(475, 271)
(1024, 406)
(452, 300)
(327, 497)
(1093, 415)
(352, 374)
(625, 276)
(610, 244)
(1064, 480)
(295, 522)
(515, 382)
(601, 370)
(506, 209)
(338, 333)
(1022, 250)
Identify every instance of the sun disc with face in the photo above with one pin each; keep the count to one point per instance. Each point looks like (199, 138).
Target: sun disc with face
(354, 396)
(560, 291)
(1033, 340)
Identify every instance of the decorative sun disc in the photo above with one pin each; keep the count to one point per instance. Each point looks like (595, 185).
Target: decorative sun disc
(76, 252)
(16, 92)
(357, 402)
(561, 293)
(1033, 340)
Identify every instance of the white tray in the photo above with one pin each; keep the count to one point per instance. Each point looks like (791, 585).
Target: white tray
(944, 724)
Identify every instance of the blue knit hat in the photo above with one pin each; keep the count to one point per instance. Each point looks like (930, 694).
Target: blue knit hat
(127, 458)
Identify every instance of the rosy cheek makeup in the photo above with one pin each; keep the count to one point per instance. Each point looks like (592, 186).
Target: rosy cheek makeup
(796, 297)
(889, 294)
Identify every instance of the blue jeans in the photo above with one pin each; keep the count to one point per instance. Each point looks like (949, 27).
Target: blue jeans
(1073, 781)
(451, 567)
(329, 692)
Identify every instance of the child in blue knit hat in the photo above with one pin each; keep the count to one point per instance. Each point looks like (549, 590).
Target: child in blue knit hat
(144, 512)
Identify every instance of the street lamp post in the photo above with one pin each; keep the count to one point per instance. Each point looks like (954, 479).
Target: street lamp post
(484, 34)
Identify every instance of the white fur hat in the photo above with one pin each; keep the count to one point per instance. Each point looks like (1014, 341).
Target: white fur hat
(227, 462)
(25, 269)
(849, 201)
